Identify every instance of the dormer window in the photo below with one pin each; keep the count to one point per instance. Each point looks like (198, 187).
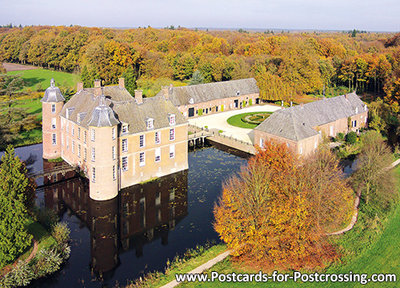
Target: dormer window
(124, 128)
(191, 101)
(238, 93)
(171, 119)
(356, 110)
(149, 123)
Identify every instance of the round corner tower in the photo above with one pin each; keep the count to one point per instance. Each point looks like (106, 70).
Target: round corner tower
(103, 167)
(52, 104)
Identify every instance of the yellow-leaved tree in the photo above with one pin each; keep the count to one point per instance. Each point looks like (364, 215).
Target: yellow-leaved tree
(270, 213)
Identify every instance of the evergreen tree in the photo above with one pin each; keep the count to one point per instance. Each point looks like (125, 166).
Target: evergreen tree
(86, 78)
(197, 78)
(130, 80)
(14, 184)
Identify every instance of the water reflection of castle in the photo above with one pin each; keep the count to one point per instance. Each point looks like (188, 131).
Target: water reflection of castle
(139, 215)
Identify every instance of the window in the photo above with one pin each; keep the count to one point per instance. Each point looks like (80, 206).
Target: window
(67, 126)
(53, 123)
(172, 151)
(150, 123)
(158, 198)
(125, 163)
(92, 134)
(67, 143)
(172, 134)
(315, 145)
(171, 119)
(84, 137)
(113, 133)
(53, 139)
(93, 154)
(73, 146)
(356, 110)
(62, 139)
(114, 174)
(142, 160)
(113, 152)
(157, 137)
(93, 174)
(301, 150)
(157, 155)
(85, 154)
(124, 128)
(79, 133)
(73, 130)
(354, 123)
(53, 108)
(79, 150)
(124, 145)
(141, 141)
(261, 142)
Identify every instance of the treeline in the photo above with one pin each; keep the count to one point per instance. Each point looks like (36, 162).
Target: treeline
(285, 65)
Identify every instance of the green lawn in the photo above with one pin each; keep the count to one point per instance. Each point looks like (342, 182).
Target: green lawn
(237, 121)
(39, 79)
(182, 266)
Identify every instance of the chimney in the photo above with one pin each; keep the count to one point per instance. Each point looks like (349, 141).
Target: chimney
(139, 96)
(121, 83)
(79, 86)
(301, 105)
(346, 96)
(97, 87)
(291, 103)
(164, 90)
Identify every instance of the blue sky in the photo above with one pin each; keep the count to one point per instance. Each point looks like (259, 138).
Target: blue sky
(371, 15)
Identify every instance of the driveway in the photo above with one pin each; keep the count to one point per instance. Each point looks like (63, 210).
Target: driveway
(218, 121)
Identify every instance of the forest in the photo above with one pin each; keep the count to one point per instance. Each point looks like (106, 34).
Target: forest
(285, 65)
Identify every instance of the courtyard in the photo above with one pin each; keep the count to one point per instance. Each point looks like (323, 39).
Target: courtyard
(219, 122)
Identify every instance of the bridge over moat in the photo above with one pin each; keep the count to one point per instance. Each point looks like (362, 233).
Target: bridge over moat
(50, 172)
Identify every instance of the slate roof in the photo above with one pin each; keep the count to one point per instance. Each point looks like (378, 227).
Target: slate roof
(200, 93)
(298, 122)
(52, 94)
(87, 109)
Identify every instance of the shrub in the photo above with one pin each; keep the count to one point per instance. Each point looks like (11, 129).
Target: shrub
(351, 137)
(340, 136)
(21, 275)
(47, 217)
(250, 102)
(61, 233)
(200, 112)
(48, 261)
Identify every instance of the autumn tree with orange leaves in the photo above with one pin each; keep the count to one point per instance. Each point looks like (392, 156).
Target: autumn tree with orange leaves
(273, 215)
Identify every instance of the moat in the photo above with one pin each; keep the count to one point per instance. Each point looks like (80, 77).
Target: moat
(119, 240)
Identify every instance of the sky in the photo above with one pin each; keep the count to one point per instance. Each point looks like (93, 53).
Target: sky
(369, 15)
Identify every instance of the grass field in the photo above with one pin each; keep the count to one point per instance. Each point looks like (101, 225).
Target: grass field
(39, 79)
(236, 120)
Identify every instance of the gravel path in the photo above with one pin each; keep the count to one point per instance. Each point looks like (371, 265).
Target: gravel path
(218, 121)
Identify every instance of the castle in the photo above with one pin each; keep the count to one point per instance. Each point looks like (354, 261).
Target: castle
(117, 140)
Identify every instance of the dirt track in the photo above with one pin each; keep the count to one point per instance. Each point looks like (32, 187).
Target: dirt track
(17, 67)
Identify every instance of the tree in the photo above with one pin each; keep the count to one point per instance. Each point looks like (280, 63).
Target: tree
(372, 174)
(330, 191)
(130, 80)
(13, 118)
(268, 212)
(14, 185)
(197, 78)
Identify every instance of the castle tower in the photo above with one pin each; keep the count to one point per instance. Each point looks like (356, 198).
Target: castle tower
(103, 147)
(52, 104)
